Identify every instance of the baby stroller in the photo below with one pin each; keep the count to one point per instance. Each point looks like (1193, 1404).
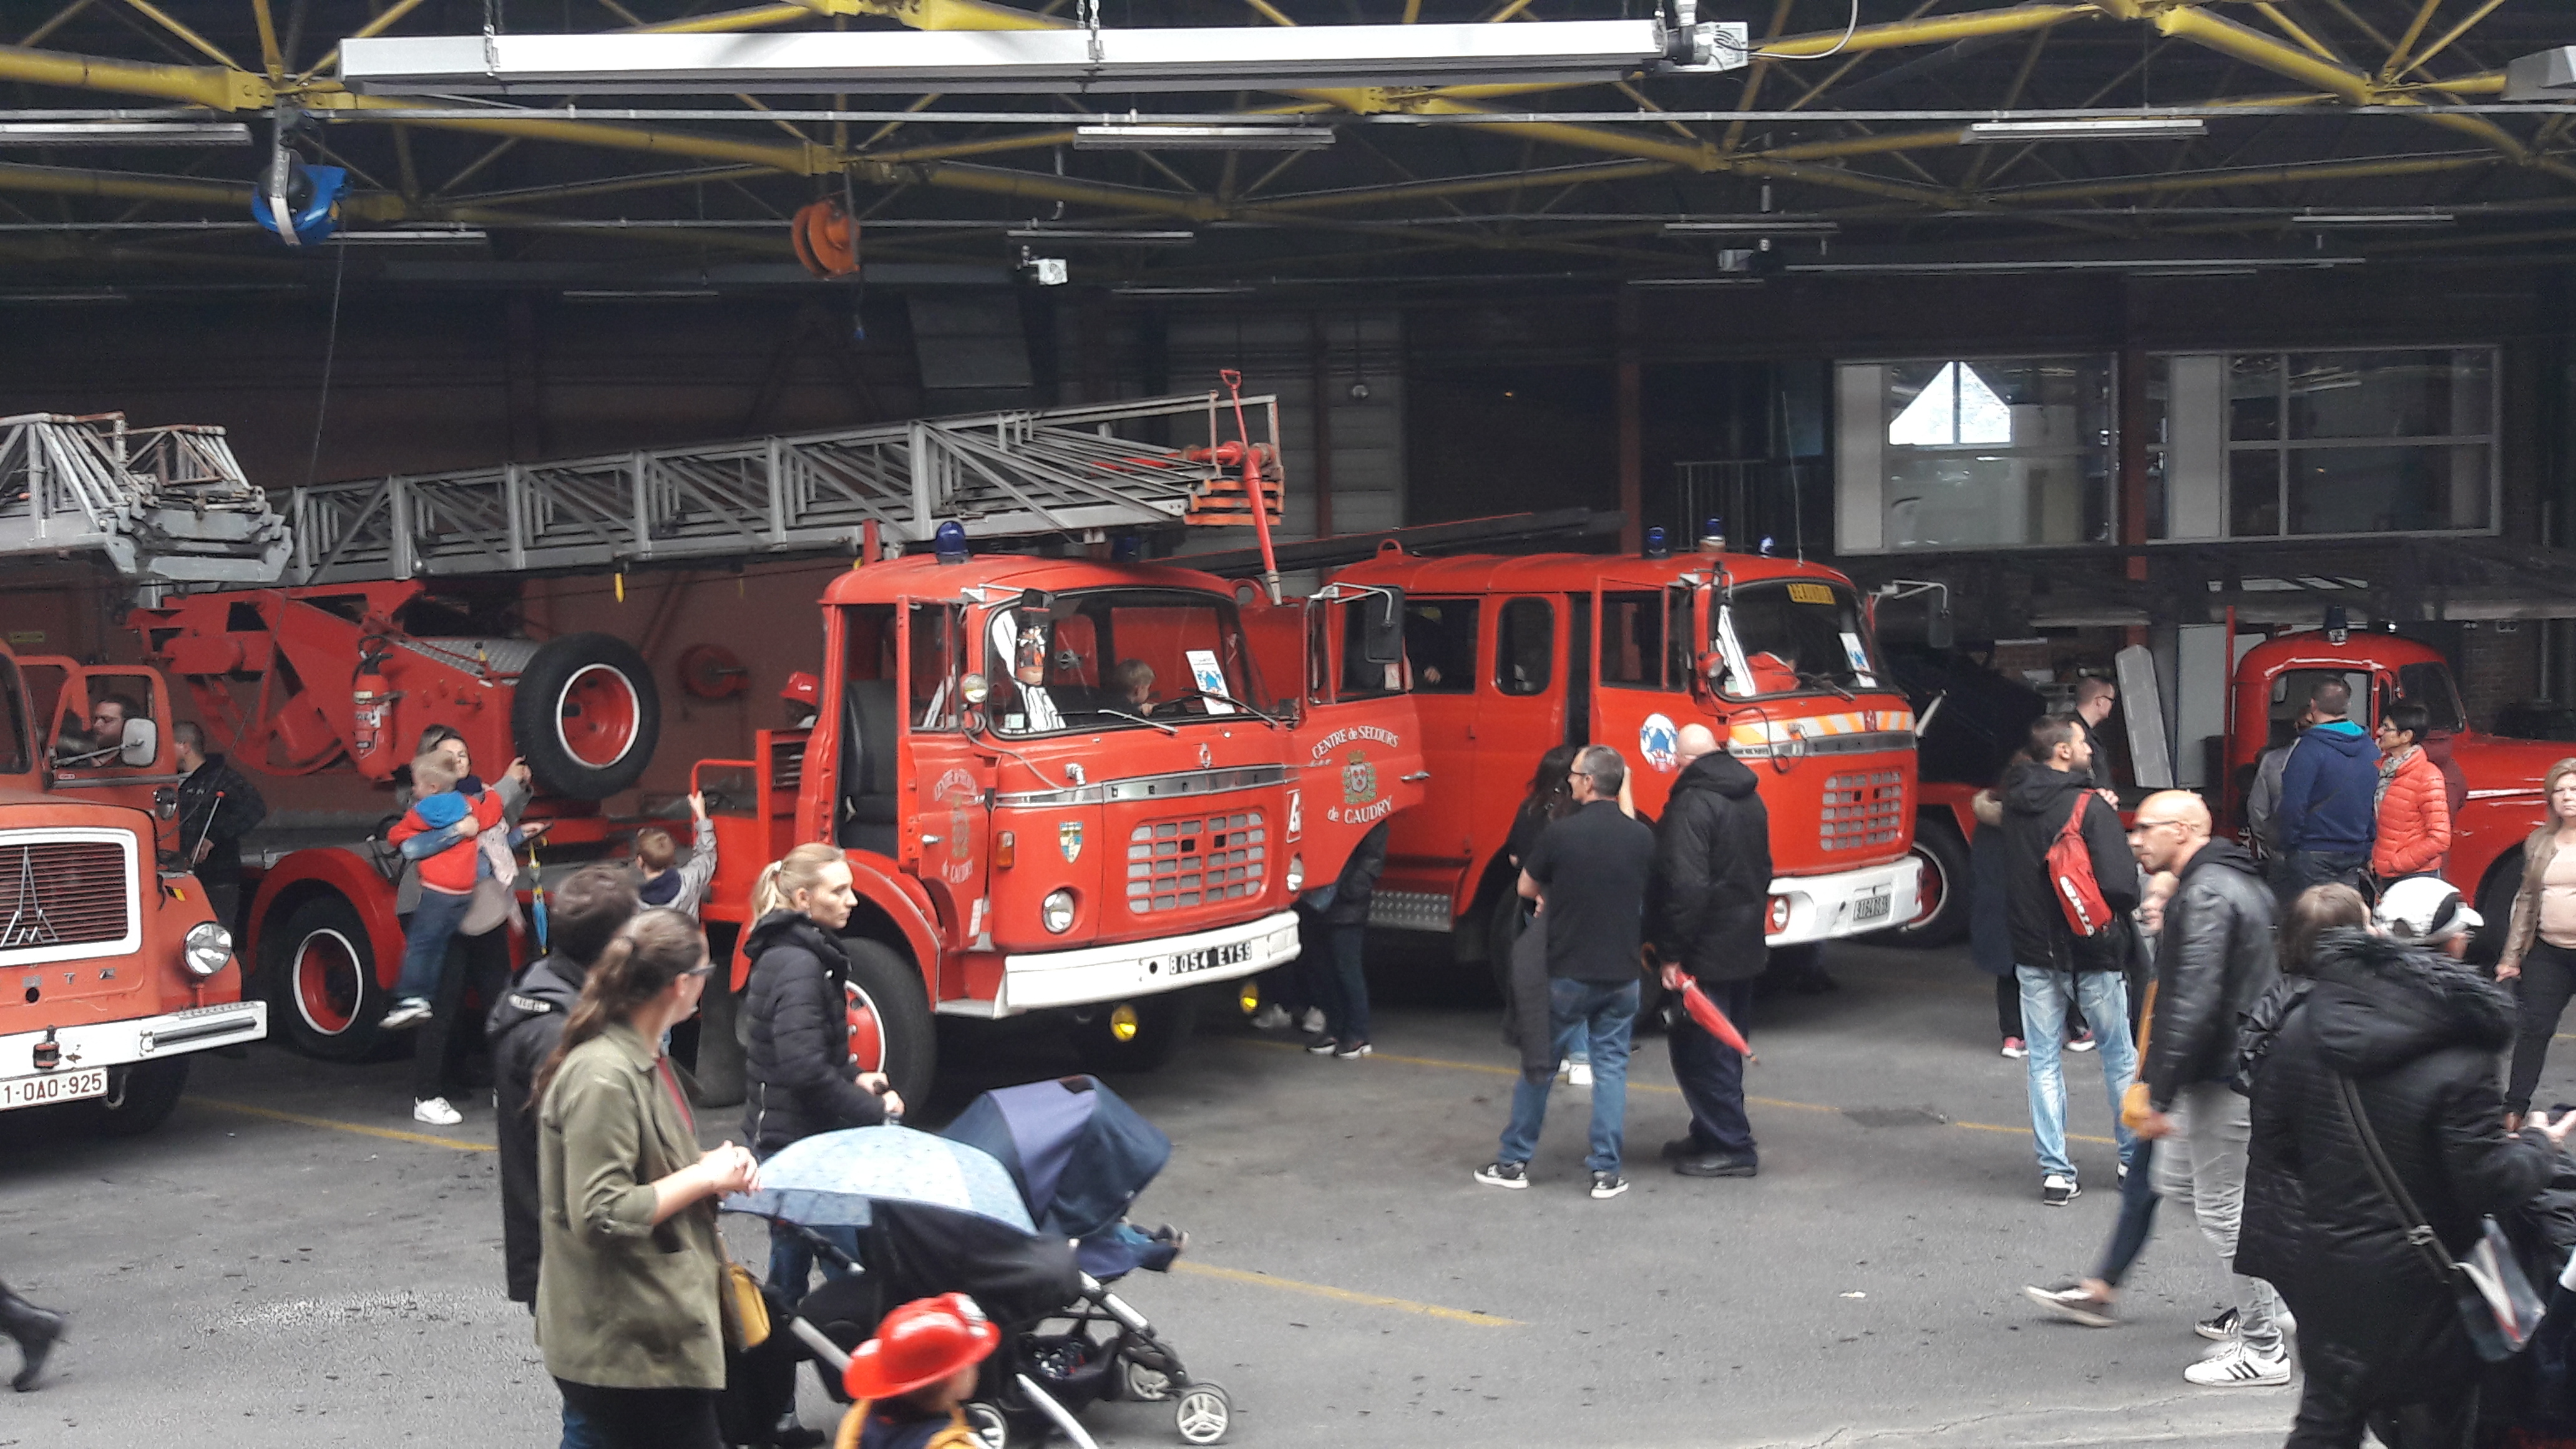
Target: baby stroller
(1031, 1232)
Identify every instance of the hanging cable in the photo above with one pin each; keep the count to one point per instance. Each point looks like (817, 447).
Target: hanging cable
(1849, 30)
(330, 352)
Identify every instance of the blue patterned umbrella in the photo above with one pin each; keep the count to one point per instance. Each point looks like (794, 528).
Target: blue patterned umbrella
(827, 1180)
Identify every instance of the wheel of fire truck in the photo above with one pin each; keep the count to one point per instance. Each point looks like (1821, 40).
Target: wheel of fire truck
(1941, 905)
(1162, 1024)
(587, 715)
(322, 981)
(890, 1026)
(138, 1098)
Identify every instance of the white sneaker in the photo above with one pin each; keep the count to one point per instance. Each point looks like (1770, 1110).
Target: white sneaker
(1270, 1017)
(1312, 1023)
(1579, 1075)
(435, 1112)
(2236, 1366)
(409, 1012)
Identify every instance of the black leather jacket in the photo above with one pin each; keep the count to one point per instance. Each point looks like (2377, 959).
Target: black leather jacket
(2213, 963)
(796, 1066)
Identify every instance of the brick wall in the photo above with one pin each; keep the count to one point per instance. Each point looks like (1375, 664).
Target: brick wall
(2498, 666)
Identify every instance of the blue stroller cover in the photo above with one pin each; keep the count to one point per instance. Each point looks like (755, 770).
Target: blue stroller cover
(1079, 1155)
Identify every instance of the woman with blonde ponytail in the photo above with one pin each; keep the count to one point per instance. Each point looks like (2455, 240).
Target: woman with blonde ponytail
(628, 1308)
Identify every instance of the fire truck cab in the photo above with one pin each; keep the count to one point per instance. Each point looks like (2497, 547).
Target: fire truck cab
(1066, 786)
(1511, 656)
(115, 970)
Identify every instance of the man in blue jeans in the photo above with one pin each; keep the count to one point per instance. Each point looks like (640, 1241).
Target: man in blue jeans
(1588, 873)
(2054, 965)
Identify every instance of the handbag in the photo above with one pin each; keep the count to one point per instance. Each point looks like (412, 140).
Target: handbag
(2496, 1302)
(746, 1308)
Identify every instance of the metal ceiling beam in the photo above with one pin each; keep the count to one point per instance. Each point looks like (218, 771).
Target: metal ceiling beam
(1938, 30)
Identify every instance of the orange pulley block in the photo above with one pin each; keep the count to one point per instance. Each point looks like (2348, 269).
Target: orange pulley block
(826, 239)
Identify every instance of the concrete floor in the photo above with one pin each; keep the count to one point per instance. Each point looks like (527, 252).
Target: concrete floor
(288, 1262)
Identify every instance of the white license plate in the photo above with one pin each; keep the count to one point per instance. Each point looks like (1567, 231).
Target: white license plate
(52, 1087)
(1207, 958)
(1873, 908)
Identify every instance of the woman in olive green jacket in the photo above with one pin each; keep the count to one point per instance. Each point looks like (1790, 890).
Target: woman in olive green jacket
(628, 1288)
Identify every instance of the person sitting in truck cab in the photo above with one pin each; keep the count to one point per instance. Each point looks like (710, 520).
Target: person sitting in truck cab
(1131, 681)
(106, 733)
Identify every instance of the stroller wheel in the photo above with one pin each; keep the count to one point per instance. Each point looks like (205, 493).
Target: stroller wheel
(992, 1430)
(1146, 1385)
(1203, 1413)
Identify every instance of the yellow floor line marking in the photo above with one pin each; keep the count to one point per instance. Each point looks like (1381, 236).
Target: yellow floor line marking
(1346, 1295)
(391, 1134)
(1636, 1086)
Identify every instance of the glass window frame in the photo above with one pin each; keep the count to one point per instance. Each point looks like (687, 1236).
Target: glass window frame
(1464, 681)
(1504, 656)
(2108, 450)
(979, 642)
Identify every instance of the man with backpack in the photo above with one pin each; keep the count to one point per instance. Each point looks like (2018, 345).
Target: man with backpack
(2069, 879)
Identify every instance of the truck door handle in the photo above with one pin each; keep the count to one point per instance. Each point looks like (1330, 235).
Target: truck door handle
(1416, 776)
(932, 839)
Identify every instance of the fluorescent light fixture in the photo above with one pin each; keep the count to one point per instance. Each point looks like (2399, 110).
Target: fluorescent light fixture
(1743, 279)
(2089, 128)
(124, 133)
(412, 236)
(1754, 226)
(2390, 217)
(632, 294)
(1136, 290)
(64, 294)
(2547, 75)
(1107, 237)
(1148, 136)
(1019, 61)
(2140, 266)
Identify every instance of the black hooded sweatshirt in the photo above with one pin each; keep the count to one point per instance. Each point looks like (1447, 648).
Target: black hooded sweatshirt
(796, 1062)
(522, 1030)
(1713, 872)
(2418, 1034)
(2037, 801)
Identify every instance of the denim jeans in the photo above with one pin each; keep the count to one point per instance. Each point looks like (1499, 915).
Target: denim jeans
(2137, 1215)
(2301, 869)
(577, 1433)
(2103, 999)
(1711, 1074)
(791, 1258)
(1607, 1012)
(433, 925)
(1345, 985)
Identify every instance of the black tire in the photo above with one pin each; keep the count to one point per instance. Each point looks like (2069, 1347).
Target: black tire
(321, 975)
(139, 1098)
(885, 986)
(2495, 903)
(1163, 1024)
(587, 715)
(1948, 877)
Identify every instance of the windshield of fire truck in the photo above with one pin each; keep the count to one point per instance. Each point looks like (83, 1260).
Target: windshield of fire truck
(14, 759)
(1794, 636)
(1118, 659)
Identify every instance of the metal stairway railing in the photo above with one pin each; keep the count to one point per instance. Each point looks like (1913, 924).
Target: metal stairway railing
(1007, 474)
(165, 505)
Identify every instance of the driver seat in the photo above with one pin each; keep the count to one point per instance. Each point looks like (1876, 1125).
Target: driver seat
(871, 799)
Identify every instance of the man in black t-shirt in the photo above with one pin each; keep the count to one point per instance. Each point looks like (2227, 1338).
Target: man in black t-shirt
(1588, 873)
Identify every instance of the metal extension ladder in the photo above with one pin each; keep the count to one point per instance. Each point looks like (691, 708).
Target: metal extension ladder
(166, 505)
(1072, 470)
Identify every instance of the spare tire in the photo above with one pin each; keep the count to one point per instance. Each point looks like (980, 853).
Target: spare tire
(587, 715)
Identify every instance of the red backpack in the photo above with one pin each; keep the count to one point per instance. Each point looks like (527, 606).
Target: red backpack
(2070, 874)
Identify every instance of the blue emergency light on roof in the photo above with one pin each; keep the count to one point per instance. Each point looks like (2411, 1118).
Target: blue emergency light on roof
(1766, 545)
(1712, 536)
(948, 542)
(2338, 624)
(1655, 544)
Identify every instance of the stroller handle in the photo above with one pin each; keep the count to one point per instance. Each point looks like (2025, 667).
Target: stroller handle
(1047, 1405)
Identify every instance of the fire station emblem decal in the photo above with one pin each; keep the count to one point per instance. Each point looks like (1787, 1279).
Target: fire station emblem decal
(1068, 838)
(1659, 742)
(1359, 779)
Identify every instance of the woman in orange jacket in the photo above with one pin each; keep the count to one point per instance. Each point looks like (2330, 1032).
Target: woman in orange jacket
(2413, 836)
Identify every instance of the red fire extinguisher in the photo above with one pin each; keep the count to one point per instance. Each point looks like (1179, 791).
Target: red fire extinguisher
(374, 699)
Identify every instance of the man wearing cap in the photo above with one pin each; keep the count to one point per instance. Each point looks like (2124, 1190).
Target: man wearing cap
(908, 1381)
(2214, 960)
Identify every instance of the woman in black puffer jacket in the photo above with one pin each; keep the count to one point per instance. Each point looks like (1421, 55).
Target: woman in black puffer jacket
(2379, 1333)
(796, 1060)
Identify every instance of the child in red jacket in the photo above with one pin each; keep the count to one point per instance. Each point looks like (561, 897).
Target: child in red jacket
(439, 832)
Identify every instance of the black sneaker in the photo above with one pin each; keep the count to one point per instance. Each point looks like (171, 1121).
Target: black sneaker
(1608, 1185)
(1320, 1045)
(1717, 1164)
(2055, 1191)
(2218, 1328)
(1514, 1175)
(1351, 1051)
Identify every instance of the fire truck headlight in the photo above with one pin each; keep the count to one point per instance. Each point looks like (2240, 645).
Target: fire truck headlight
(1057, 911)
(1296, 874)
(975, 687)
(209, 947)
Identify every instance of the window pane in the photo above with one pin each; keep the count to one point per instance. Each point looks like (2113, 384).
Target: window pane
(2254, 398)
(2430, 686)
(1632, 639)
(1360, 678)
(2376, 490)
(1948, 500)
(2253, 492)
(2413, 394)
(1440, 643)
(1525, 647)
(1795, 636)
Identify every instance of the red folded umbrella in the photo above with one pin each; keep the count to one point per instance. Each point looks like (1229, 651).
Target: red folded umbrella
(1710, 1019)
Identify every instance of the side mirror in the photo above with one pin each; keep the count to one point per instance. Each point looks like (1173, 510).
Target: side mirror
(142, 743)
(1941, 632)
(1382, 626)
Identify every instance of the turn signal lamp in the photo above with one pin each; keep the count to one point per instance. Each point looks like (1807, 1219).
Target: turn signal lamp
(1248, 996)
(1006, 851)
(1122, 1023)
(1779, 914)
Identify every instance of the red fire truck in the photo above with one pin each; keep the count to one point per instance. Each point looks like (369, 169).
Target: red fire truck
(116, 970)
(1511, 656)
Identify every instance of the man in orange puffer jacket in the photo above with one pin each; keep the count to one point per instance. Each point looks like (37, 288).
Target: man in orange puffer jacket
(2414, 833)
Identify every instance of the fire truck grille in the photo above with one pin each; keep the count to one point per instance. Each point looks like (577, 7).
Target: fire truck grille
(62, 893)
(1863, 811)
(1175, 865)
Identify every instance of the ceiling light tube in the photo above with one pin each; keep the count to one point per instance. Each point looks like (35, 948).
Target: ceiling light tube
(2088, 128)
(1149, 136)
(2400, 216)
(1744, 279)
(124, 133)
(633, 294)
(1079, 236)
(1754, 226)
(1138, 290)
(412, 236)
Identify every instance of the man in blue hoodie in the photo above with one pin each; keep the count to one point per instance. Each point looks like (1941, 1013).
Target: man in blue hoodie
(2328, 811)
